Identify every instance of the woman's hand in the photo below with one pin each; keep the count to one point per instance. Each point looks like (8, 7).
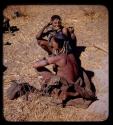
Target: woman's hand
(71, 29)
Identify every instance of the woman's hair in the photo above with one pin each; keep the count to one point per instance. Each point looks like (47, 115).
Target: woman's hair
(62, 43)
(55, 17)
(59, 39)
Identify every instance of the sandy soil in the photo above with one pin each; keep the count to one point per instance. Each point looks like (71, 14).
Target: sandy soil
(91, 29)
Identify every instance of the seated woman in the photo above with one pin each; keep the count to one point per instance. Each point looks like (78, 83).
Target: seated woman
(67, 74)
(55, 26)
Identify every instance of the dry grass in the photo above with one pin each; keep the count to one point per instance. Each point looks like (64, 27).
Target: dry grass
(91, 27)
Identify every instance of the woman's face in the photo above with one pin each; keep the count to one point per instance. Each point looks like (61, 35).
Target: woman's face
(56, 23)
(54, 45)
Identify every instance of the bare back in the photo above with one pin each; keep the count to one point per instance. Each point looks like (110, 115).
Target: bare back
(67, 67)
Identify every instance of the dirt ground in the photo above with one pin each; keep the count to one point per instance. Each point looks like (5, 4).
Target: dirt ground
(91, 29)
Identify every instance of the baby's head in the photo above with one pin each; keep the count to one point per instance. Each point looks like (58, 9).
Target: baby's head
(56, 21)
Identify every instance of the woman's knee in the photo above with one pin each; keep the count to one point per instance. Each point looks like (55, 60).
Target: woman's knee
(39, 42)
(42, 42)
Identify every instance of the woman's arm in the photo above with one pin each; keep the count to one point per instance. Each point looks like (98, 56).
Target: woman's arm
(40, 63)
(47, 61)
(40, 33)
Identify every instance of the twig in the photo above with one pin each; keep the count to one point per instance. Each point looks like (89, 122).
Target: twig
(98, 48)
